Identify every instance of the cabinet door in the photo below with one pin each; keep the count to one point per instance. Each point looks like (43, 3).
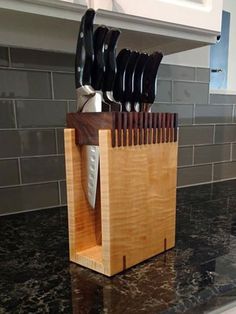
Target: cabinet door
(205, 14)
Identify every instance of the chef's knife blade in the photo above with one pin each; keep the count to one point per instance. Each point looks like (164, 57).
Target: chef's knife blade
(84, 59)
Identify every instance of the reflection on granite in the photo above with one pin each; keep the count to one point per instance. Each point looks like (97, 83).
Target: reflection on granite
(36, 276)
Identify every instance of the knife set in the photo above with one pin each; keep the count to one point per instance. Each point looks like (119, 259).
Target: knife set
(121, 158)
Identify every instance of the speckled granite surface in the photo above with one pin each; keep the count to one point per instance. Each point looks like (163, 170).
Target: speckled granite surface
(36, 276)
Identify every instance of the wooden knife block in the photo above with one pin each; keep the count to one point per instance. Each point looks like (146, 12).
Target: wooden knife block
(134, 218)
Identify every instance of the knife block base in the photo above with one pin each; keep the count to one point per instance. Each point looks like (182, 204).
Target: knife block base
(134, 218)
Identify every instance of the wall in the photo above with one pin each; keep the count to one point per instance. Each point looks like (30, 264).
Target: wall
(36, 92)
(229, 5)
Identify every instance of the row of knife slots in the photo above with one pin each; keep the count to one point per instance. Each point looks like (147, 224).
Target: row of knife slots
(138, 128)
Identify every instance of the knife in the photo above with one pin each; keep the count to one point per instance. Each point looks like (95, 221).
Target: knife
(138, 81)
(150, 80)
(91, 101)
(110, 68)
(84, 59)
(129, 81)
(119, 84)
(98, 69)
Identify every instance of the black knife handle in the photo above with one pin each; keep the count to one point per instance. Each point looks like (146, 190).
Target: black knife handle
(119, 87)
(88, 42)
(129, 75)
(84, 50)
(110, 59)
(150, 77)
(98, 69)
(138, 77)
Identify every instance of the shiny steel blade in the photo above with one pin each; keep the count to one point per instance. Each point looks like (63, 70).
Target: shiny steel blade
(91, 154)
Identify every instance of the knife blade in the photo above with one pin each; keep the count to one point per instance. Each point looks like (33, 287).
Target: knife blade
(150, 80)
(84, 59)
(110, 68)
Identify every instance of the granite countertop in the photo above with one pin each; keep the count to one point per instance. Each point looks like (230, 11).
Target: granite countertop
(37, 277)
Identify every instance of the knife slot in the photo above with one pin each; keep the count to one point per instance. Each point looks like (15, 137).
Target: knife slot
(130, 128)
(118, 127)
(163, 126)
(167, 127)
(124, 123)
(149, 128)
(140, 133)
(135, 128)
(154, 134)
(145, 126)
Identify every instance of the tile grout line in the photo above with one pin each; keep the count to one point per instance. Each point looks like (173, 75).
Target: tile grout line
(56, 141)
(52, 85)
(14, 111)
(231, 151)
(9, 56)
(214, 134)
(59, 192)
(19, 170)
(193, 158)
(31, 156)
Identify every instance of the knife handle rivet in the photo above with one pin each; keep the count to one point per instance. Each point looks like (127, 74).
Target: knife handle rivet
(81, 35)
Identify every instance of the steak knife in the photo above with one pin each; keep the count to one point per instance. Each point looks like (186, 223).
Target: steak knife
(150, 80)
(110, 68)
(119, 84)
(129, 81)
(138, 81)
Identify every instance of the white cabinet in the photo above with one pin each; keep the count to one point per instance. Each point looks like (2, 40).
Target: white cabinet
(204, 14)
(167, 25)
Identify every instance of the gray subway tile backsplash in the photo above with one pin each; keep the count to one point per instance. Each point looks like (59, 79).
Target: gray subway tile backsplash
(164, 91)
(190, 135)
(7, 115)
(185, 112)
(42, 169)
(203, 74)
(225, 133)
(176, 72)
(60, 141)
(185, 156)
(4, 56)
(27, 197)
(16, 143)
(222, 99)
(63, 192)
(64, 86)
(41, 113)
(234, 151)
(37, 90)
(44, 60)
(211, 153)
(190, 92)
(24, 84)
(213, 114)
(194, 175)
(9, 172)
(224, 170)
